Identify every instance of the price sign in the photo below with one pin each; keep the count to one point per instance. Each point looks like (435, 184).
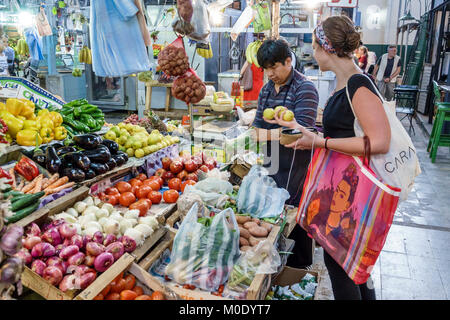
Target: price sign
(343, 3)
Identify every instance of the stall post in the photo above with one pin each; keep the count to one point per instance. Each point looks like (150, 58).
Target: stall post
(275, 19)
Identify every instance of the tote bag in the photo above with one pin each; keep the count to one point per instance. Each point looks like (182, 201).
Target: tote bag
(347, 210)
(400, 166)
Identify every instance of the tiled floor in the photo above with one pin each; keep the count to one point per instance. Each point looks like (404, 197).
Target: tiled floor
(415, 261)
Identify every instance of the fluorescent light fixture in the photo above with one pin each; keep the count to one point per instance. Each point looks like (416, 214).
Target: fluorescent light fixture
(310, 3)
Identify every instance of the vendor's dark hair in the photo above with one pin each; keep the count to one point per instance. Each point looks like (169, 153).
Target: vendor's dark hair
(273, 51)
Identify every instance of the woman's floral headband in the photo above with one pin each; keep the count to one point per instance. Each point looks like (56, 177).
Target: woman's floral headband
(324, 42)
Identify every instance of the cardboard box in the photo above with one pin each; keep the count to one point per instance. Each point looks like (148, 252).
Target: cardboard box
(290, 276)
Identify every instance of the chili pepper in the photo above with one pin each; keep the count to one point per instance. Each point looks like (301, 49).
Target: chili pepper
(4, 174)
(77, 111)
(88, 120)
(27, 168)
(3, 126)
(70, 131)
(88, 108)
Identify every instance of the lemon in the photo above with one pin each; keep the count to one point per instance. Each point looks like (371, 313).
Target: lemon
(116, 130)
(122, 140)
(288, 116)
(160, 145)
(123, 149)
(153, 148)
(121, 125)
(279, 109)
(129, 143)
(155, 131)
(269, 113)
(124, 132)
(136, 145)
(130, 152)
(129, 127)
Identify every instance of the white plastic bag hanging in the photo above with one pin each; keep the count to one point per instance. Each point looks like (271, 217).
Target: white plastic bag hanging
(247, 17)
(200, 22)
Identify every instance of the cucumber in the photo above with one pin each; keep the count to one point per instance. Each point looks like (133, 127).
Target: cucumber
(22, 213)
(26, 201)
(12, 193)
(17, 198)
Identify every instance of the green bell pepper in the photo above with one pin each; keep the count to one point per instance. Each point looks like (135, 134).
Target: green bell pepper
(77, 112)
(88, 120)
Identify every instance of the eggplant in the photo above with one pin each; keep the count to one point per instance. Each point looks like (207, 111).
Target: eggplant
(87, 141)
(89, 173)
(53, 162)
(111, 145)
(63, 150)
(125, 156)
(119, 159)
(65, 165)
(99, 168)
(100, 154)
(74, 174)
(57, 145)
(81, 161)
(112, 164)
(40, 159)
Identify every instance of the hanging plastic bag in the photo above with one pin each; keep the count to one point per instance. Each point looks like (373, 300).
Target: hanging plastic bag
(173, 59)
(189, 88)
(262, 17)
(259, 195)
(204, 250)
(213, 191)
(200, 22)
(42, 24)
(243, 22)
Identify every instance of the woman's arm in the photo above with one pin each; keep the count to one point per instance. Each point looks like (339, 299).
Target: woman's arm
(374, 122)
(244, 67)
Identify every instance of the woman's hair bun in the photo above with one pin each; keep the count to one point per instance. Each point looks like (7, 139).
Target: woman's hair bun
(340, 30)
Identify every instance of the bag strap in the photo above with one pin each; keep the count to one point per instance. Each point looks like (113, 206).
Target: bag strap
(367, 150)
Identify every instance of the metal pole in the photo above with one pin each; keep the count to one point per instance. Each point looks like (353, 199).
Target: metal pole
(398, 21)
(406, 51)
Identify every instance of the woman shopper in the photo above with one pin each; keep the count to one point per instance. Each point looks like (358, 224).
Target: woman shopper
(363, 58)
(334, 42)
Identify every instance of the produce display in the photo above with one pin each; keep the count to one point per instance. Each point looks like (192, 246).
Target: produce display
(81, 117)
(251, 52)
(11, 265)
(173, 61)
(252, 231)
(136, 141)
(150, 122)
(189, 88)
(127, 288)
(304, 290)
(81, 157)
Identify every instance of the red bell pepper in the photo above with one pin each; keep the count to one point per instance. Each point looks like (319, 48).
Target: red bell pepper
(27, 168)
(4, 174)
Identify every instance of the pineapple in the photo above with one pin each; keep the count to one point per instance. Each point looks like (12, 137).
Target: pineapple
(156, 122)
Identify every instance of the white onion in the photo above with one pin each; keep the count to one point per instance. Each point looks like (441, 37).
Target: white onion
(90, 231)
(136, 235)
(90, 209)
(116, 216)
(131, 214)
(103, 220)
(109, 207)
(102, 213)
(72, 212)
(89, 201)
(150, 221)
(125, 225)
(111, 227)
(66, 217)
(94, 224)
(78, 227)
(145, 229)
(133, 221)
(80, 206)
(97, 201)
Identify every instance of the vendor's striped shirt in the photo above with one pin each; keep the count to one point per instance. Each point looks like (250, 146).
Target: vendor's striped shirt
(302, 99)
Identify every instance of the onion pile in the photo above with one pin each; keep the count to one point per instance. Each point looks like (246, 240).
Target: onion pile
(173, 61)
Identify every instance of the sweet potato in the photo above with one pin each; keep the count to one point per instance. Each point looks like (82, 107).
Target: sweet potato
(242, 219)
(244, 233)
(267, 226)
(257, 221)
(243, 242)
(250, 224)
(254, 241)
(258, 231)
(245, 248)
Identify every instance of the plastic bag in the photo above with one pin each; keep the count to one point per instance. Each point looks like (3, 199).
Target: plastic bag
(216, 173)
(204, 254)
(262, 17)
(262, 259)
(200, 22)
(213, 191)
(42, 24)
(187, 200)
(259, 195)
(243, 22)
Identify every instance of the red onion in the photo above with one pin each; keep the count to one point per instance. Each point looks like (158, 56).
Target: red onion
(67, 242)
(65, 265)
(25, 255)
(98, 237)
(34, 230)
(85, 280)
(38, 266)
(59, 248)
(43, 249)
(31, 241)
(94, 249)
(10, 242)
(89, 260)
(77, 240)
(67, 283)
(86, 239)
(79, 270)
(103, 261)
(52, 236)
(53, 275)
(60, 267)
(67, 230)
(76, 259)
(110, 238)
(69, 251)
(11, 270)
(128, 243)
(54, 224)
(53, 260)
(117, 249)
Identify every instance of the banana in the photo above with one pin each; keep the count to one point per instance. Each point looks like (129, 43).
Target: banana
(88, 56)
(81, 56)
(248, 55)
(255, 53)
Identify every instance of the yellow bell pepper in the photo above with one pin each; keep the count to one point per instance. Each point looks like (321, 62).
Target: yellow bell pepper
(46, 134)
(14, 124)
(21, 117)
(56, 118)
(28, 137)
(43, 112)
(2, 106)
(14, 106)
(30, 124)
(46, 122)
(28, 109)
(60, 133)
(31, 117)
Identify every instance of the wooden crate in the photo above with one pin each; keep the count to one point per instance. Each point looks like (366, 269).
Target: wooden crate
(165, 242)
(290, 276)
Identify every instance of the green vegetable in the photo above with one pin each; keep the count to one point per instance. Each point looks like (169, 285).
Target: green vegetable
(88, 108)
(76, 103)
(25, 202)
(70, 130)
(22, 213)
(88, 120)
(77, 112)
(17, 198)
(11, 193)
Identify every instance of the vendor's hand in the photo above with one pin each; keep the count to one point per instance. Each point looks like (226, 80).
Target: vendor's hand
(279, 120)
(306, 141)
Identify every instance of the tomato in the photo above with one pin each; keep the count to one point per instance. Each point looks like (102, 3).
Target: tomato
(159, 179)
(190, 166)
(187, 182)
(127, 198)
(117, 287)
(119, 276)
(111, 198)
(123, 186)
(143, 297)
(157, 295)
(106, 290)
(160, 172)
(135, 182)
(154, 185)
(99, 297)
(204, 168)
(101, 195)
(175, 184)
(141, 205)
(128, 295)
(170, 196)
(130, 281)
(155, 197)
(141, 176)
(166, 163)
(112, 191)
(138, 290)
(182, 175)
(134, 189)
(150, 203)
(192, 176)
(143, 191)
(113, 296)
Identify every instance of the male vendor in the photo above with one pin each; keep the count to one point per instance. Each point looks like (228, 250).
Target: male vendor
(289, 88)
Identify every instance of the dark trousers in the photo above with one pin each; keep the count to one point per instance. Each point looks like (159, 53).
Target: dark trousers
(302, 252)
(343, 287)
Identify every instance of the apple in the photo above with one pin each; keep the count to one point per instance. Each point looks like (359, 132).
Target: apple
(160, 172)
(204, 168)
(176, 167)
(192, 176)
(190, 166)
(166, 161)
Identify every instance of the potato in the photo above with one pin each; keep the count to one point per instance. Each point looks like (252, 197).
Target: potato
(267, 226)
(258, 231)
(250, 224)
(244, 233)
(254, 241)
(245, 248)
(257, 221)
(242, 219)
(243, 242)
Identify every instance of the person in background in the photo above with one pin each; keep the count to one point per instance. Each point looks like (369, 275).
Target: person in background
(334, 42)
(386, 70)
(3, 61)
(257, 81)
(289, 88)
(9, 52)
(363, 58)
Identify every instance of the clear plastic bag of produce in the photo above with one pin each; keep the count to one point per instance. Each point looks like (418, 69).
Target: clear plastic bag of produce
(243, 143)
(262, 17)
(204, 250)
(213, 191)
(259, 195)
(189, 87)
(200, 22)
(262, 259)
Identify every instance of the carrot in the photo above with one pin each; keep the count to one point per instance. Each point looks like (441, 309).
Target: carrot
(38, 186)
(58, 189)
(44, 181)
(20, 186)
(13, 177)
(31, 185)
(57, 183)
(52, 179)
